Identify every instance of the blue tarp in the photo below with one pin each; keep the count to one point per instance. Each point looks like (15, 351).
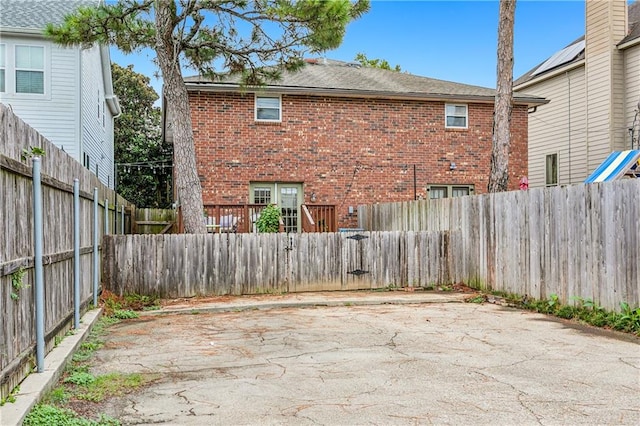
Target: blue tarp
(617, 164)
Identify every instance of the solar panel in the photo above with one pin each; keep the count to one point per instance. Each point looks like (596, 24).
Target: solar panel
(562, 57)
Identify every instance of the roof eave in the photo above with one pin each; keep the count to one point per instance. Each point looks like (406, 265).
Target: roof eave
(549, 75)
(368, 94)
(628, 44)
(22, 31)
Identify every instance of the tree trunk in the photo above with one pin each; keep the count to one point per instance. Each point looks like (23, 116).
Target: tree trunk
(499, 178)
(188, 188)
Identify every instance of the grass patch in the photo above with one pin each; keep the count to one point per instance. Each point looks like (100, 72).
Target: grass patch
(108, 385)
(583, 310)
(587, 311)
(48, 415)
(79, 387)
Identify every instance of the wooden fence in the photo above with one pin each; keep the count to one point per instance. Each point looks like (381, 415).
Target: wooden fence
(190, 265)
(17, 328)
(154, 221)
(577, 241)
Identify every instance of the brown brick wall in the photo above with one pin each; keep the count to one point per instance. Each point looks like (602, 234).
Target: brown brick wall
(348, 151)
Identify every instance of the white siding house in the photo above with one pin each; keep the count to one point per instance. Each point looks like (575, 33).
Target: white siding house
(65, 93)
(593, 88)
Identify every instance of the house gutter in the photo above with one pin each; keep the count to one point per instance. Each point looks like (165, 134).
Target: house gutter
(317, 91)
(628, 44)
(22, 31)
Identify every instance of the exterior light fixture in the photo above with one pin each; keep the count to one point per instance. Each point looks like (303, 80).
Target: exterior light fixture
(452, 166)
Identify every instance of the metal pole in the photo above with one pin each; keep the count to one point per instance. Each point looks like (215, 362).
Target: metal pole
(95, 247)
(122, 220)
(106, 216)
(76, 253)
(37, 263)
(415, 186)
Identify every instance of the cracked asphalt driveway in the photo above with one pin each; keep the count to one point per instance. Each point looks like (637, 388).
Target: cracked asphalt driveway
(435, 363)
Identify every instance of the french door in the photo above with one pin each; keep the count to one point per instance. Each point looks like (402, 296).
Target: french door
(287, 196)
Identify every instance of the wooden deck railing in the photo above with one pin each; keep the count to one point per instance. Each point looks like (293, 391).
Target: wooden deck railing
(241, 218)
(319, 218)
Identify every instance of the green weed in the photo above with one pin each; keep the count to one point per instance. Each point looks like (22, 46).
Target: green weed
(17, 284)
(589, 312)
(11, 398)
(108, 385)
(477, 299)
(47, 415)
(125, 314)
(58, 396)
(80, 378)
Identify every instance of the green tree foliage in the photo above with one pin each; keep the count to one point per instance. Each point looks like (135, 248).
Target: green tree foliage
(255, 39)
(143, 161)
(375, 63)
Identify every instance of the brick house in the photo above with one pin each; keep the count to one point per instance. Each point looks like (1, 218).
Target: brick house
(335, 135)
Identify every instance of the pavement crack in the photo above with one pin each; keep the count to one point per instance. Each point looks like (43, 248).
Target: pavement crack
(180, 395)
(629, 363)
(392, 342)
(519, 395)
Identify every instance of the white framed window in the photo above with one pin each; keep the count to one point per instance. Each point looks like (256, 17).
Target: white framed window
(268, 108)
(3, 66)
(447, 191)
(456, 116)
(551, 170)
(29, 69)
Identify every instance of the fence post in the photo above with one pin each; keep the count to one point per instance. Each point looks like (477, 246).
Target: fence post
(95, 247)
(122, 219)
(37, 263)
(76, 253)
(106, 216)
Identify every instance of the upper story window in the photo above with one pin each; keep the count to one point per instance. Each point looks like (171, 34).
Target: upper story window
(268, 108)
(29, 66)
(3, 65)
(456, 116)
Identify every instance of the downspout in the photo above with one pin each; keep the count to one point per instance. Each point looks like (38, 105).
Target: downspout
(569, 118)
(80, 109)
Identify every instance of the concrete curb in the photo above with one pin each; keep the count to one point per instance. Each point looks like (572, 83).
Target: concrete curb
(36, 385)
(266, 305)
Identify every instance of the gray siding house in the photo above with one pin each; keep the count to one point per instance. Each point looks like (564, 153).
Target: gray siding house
(593, 88)
(65, 93)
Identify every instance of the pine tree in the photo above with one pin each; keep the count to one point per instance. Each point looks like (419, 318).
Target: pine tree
(499, 177)
(257, 39)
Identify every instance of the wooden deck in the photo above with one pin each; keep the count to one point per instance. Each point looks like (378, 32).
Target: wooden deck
(241, 218)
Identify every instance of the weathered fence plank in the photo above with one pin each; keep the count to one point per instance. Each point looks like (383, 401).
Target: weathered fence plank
(580, 241)
(217, 264)
(17, 328)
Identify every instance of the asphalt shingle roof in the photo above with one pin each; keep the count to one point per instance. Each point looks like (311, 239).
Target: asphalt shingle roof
(35, 14)
(336, 76)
